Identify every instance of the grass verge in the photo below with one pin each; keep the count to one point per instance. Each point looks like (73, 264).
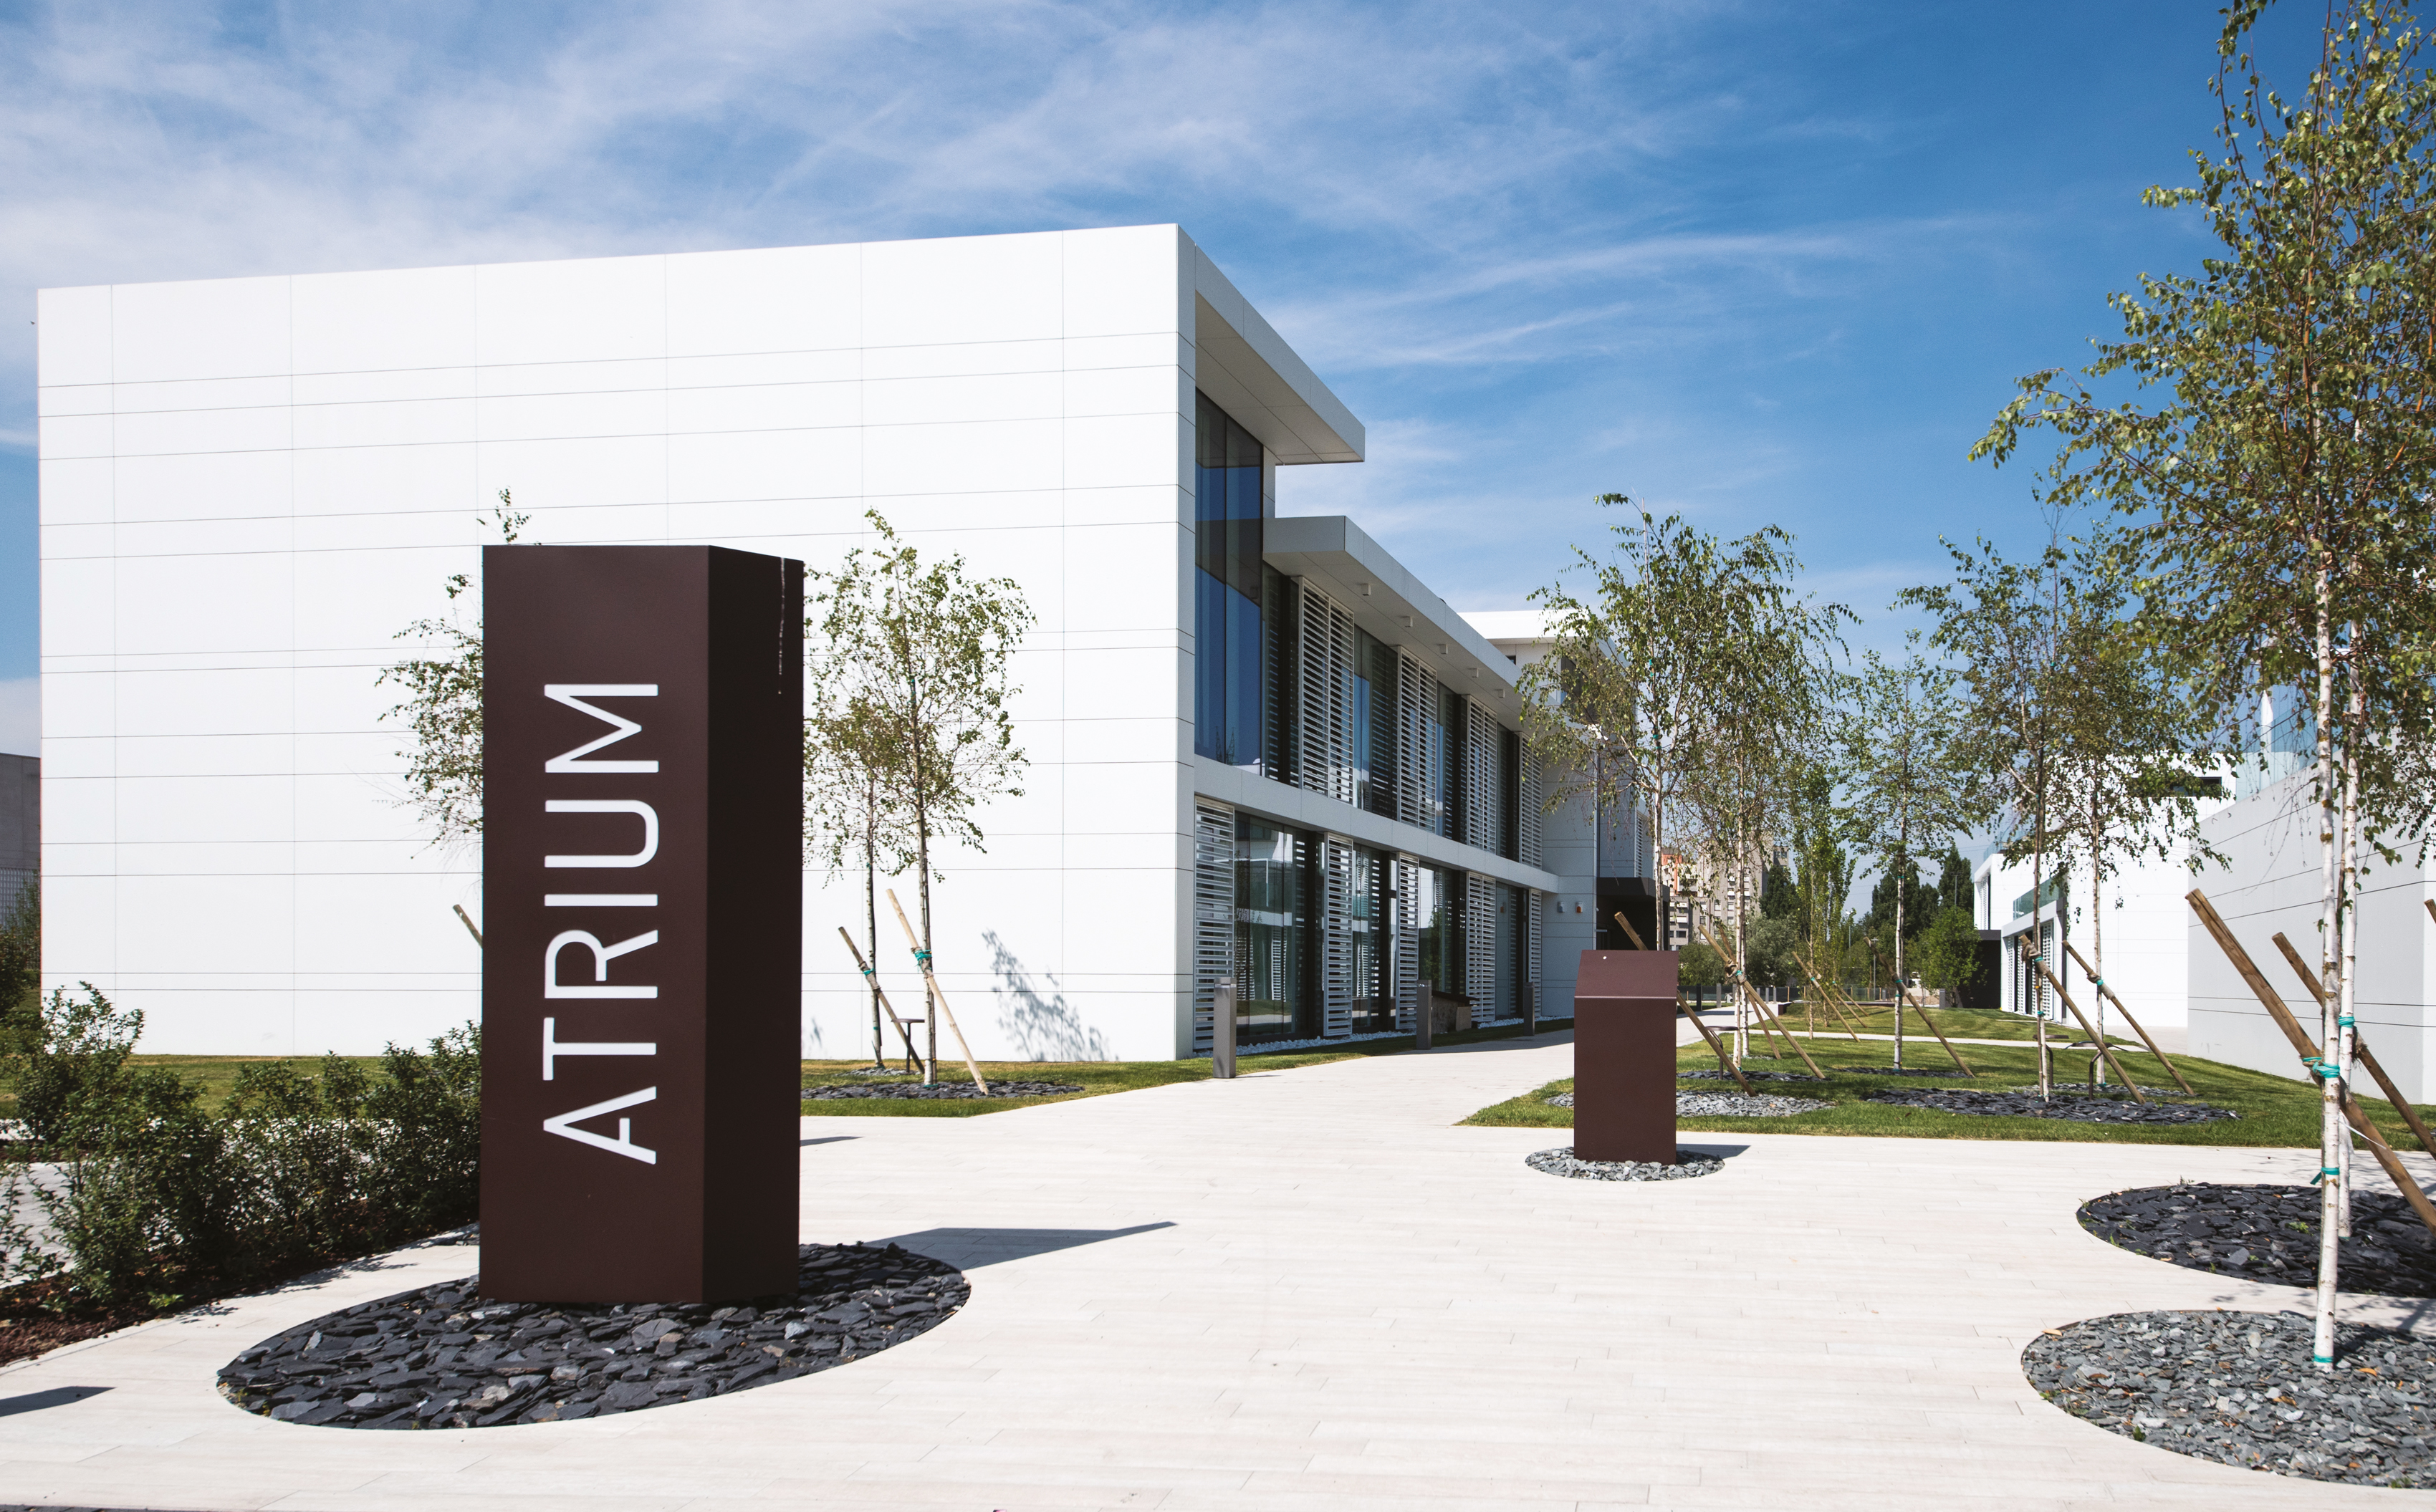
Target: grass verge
(2275, 1112)
(1098, 1078)
(1959, 1023)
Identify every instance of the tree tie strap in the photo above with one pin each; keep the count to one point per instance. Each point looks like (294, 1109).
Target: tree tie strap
(2326, 1070)
(2344, 1022)
(867, 973)
(922, 958)
(2323, 1172)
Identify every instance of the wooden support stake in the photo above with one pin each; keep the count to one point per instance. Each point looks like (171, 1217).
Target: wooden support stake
(2306, 1049)
(1629, 933)
(1808, 970)
(2117, 999)
(2104, 1049)
(1725, 1062)
(1902, 996)
(938, 998)
(1761, 1004)
(468, 919)
(2360, 1046)
(913, 1056)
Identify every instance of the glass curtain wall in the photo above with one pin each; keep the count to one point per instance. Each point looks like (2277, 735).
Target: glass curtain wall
(1435, 915)
(1513, 934)
(1229, 587)
(1366, 698)
(1451, 818)
(1271, 928)
(1379, 664)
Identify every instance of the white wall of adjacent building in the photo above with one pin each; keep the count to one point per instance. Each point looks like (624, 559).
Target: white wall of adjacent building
(2270, 885)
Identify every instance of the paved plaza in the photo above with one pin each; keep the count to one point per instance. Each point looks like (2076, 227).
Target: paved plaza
(1303, 1290)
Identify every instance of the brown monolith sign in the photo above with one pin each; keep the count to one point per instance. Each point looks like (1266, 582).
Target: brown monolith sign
(642, 885)
(1624, 1056)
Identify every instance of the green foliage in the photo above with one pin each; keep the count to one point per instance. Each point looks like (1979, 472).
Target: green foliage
(1778, 898)
(147, 1194)
(1771, 947)
(1700, 967)
(1898, 883)
(1947, 952)
(1954, 884)
(21, 952)
(444, 706)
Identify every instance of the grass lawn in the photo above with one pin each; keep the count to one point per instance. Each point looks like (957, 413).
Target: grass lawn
(1959, 1023)
(216, 1074)
(1096, 1078)
(2273, 1111)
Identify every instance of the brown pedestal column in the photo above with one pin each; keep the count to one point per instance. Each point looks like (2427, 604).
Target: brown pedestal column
(1624, 1056)
(642, 719)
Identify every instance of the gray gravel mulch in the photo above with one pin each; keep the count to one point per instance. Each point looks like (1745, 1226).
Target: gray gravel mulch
(443, 1357)
(943, 1090)
(1688, 1163)
(2268, 1234)
(2079, 1108)
(2239, 1388)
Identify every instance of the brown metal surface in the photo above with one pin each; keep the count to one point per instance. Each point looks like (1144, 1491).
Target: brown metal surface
(649, 922)
(1624, 1056)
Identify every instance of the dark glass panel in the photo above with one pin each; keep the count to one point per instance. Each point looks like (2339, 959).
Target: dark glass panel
(1269, 931)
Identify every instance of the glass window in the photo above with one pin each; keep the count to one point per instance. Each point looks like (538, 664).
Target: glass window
(1228, 588)
(1365, 919)
(1451, 817)
(1269, 933)
(1435, 916)
(1365, 700)
(1381, 731)
(1513, 931)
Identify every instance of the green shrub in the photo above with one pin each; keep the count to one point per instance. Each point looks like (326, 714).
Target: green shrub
(144, 1194)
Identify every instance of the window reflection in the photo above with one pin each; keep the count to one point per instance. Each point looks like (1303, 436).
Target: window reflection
(1270, 1002)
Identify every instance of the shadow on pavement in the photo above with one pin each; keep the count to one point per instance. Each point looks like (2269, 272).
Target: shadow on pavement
(34, 1402)
(965, 1249)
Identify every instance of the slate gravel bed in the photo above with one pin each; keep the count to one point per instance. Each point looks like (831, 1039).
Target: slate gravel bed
(1724, 1105)
(1688, 1163)
(2268, 1234)
(443, 1357)
(945, 1089)
(2079, 1109)
(2238, 1387)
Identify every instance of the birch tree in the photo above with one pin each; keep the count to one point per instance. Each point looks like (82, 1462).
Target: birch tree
(929, 658)
(2278, 457)
(1900, 777)
(443, 704)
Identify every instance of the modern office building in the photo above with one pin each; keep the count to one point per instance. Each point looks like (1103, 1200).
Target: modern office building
(1256, 744)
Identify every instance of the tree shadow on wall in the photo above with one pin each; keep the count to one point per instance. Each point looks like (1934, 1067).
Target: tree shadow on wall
(1035, 1015)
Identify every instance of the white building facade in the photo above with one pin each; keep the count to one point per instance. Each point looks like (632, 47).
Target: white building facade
(1258, 745)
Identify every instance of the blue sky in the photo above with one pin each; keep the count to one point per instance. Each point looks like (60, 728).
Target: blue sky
(1758, 263)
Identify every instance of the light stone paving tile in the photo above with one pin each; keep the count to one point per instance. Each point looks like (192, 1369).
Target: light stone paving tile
(1349, 1278)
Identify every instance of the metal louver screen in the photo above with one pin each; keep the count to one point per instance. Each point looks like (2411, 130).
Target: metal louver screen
(1325, 685)
(1214, 913)
(1336, 984)
(1526, 810)
(1480, 947)
(1407, 944)
(1484, 805)
(1417, 772)
(1534, 976)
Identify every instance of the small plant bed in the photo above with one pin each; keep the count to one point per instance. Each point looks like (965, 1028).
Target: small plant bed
(2239, 1388)
(441, 1358)
(1084, 1078)
(2079, 1108)
(2272, 1111)
(910, 1088)
(2268, 1234)
(1688, 1163)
